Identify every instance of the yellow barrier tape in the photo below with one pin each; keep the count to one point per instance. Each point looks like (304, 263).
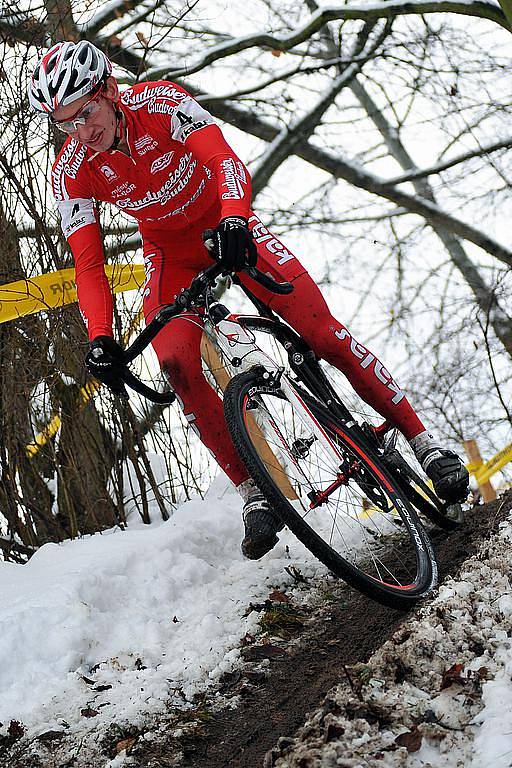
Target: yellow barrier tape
(86, 393)
(56, 289)
(490, 467)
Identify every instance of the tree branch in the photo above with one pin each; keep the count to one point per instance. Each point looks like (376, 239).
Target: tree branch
(109, 11)
(421, 173)
(285, 142)
(356, 175)
(300, 130)
(20, 27)
(368, 13)
(484, 295)
(507, 9)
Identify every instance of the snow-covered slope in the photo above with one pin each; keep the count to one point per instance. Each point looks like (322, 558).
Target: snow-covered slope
(116, 628)
(121, 623)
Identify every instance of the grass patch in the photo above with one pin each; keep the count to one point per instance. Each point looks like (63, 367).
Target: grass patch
(281, 620)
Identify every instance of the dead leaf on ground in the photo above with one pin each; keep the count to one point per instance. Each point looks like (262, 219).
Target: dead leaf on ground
(296, 574)
(278, 597)
(333, 732)
(15, 730)
(452, 676)
(50, 735)
(89, 712)
(411, 740)
(258, 652)
(125, 745)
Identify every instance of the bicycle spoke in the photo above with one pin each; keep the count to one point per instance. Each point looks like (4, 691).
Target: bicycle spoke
(314, 470)
(331, 487)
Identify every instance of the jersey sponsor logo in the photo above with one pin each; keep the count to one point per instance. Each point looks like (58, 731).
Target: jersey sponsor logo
(194, 197)
(145, 144)
(149, 269)
(261, 235)
(185, 133)
(161, 162)
(191, 200)
(84, 317)
(188, 118)
(234, 179)
(109, 173)
(143, 141)
(75, 214)
(148, 148)
(366, 359)
(123, 189)
(76, 224)
(68, 164)
(175, 184)
(149, 94)
(161, 107)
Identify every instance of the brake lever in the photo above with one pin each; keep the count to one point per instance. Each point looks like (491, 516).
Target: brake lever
(161, 398)
(256, 274)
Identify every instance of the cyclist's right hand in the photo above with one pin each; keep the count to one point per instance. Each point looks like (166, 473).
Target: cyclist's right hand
(105, 361)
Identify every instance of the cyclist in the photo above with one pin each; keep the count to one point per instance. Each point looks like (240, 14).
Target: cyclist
(158, 155)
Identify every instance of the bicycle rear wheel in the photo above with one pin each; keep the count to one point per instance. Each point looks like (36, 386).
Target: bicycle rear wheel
(332, 490)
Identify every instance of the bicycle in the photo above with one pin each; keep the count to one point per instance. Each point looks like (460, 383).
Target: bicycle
(340, 486)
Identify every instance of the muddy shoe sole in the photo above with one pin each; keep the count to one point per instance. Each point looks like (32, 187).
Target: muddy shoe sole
(253, 547)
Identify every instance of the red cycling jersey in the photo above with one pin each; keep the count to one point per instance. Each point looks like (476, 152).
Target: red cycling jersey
(180, 166)
(180, 178)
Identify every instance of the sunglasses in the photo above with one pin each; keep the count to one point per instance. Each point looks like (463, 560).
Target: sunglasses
(84, 114)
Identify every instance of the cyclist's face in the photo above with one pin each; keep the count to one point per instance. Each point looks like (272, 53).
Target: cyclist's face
(98, 131)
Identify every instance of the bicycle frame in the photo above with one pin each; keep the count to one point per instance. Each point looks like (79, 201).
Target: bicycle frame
(311, 392)
(233, 335)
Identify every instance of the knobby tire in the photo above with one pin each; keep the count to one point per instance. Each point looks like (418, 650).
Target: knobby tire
(244, 395)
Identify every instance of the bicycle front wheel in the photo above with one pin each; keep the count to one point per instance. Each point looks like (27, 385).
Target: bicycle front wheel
(331, 490)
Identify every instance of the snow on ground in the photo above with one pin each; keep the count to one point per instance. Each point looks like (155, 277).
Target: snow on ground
(113, 627)
(438, 693)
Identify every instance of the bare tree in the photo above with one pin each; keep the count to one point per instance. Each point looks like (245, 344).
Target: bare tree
(376, 133)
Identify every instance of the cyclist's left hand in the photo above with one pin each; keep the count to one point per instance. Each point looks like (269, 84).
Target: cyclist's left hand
(234, 245)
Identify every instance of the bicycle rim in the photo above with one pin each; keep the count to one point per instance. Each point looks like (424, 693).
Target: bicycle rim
(332, 492)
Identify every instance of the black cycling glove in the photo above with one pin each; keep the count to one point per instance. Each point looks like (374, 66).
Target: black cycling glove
(234, 247)
(105, 361)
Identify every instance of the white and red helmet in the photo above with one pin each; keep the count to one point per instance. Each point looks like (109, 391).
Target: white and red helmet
(65, 73)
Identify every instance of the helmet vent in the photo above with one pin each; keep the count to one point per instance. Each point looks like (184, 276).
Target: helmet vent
(65, 73)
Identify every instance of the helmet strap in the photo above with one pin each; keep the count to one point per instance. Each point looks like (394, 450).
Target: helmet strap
(119, 128)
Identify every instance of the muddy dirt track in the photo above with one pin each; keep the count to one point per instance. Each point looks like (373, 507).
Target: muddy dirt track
(273, 705)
